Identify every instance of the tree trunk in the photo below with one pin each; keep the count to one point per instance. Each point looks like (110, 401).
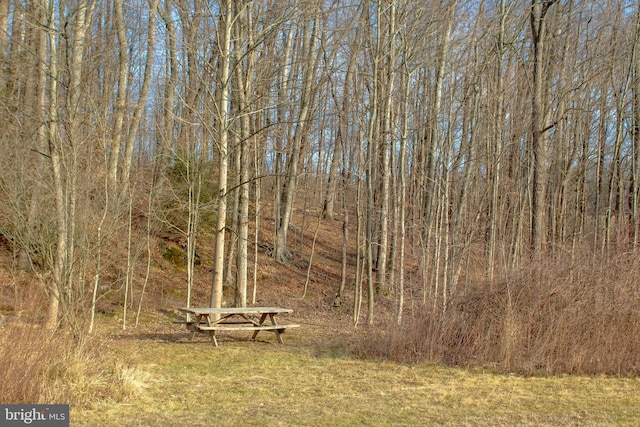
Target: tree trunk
(403, 190)
(225, 27)
(280, 142)
(635, 157)
(387, 90)
(370, 172)
(496, 154)
(281, 251)
(341, 138)
(64, 160)
(144, 93)
(121, 97)
(56, 168)
(244, 90)
(539, 149)
(4, 28)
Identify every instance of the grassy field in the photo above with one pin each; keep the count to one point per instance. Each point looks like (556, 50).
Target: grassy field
(312, 380)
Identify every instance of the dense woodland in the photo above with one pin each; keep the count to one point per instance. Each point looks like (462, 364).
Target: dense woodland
(454, 144)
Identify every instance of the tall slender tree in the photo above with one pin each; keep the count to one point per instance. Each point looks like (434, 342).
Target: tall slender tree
(539, 148)
(224, 34)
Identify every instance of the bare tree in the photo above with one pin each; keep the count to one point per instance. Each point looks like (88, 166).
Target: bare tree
(634, 187)
(539, 149)
(302, 123)
(225, 28)
(244, 69)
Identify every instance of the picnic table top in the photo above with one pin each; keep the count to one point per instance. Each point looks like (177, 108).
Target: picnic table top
(235, 310)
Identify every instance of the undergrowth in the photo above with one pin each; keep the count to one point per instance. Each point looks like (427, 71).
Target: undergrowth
(44, 367)
(565, 314)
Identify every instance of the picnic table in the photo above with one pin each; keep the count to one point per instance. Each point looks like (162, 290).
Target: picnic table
(210, 320)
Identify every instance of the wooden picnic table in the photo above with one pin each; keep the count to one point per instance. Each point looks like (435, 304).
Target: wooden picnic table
(210, 320)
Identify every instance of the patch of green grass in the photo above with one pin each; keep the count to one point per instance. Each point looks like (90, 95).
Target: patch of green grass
(263, 383)
(175, 256)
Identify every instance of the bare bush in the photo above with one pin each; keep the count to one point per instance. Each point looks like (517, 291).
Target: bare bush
(561, 315)
(41, 367)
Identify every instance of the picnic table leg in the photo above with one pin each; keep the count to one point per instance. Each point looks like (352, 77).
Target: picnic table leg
(277, 331)
(212, 333)
(262, 319)
(194, 326)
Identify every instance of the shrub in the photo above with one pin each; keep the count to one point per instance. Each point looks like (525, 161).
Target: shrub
(563, 315)
(41, 367)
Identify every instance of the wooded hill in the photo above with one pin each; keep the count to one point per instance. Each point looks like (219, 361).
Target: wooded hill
(481, 159)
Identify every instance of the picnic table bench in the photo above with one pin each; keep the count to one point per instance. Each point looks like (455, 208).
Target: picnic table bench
(210, 320)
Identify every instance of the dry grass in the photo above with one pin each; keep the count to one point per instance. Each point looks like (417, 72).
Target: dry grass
(312, 380)
(41, 367)
(564, 315)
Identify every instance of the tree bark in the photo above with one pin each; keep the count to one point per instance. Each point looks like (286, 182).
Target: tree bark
(245, 88)
(225, 30)
(121, 97)
(56, 168)
(539, 149)
(635, 157)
